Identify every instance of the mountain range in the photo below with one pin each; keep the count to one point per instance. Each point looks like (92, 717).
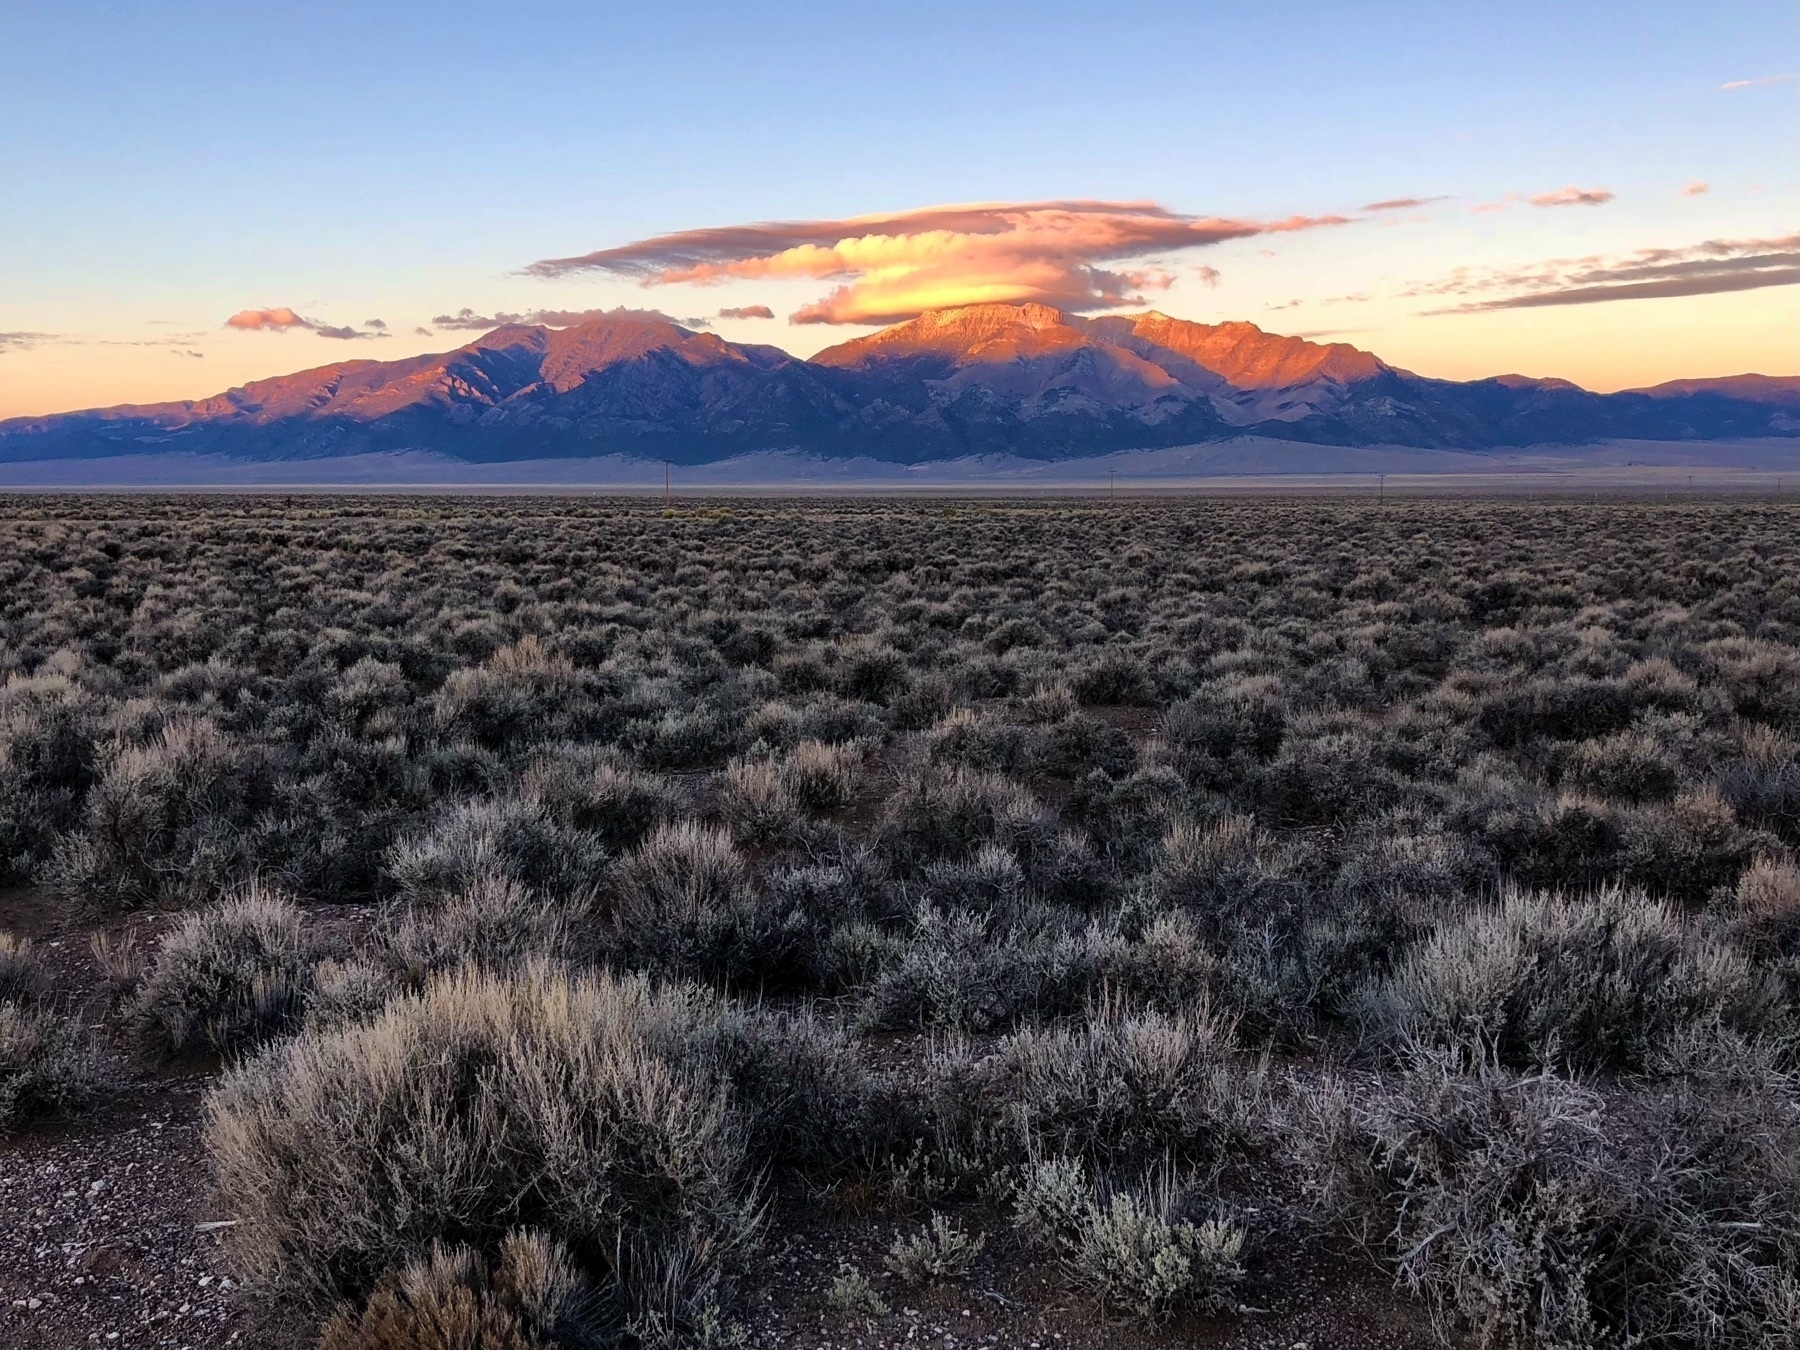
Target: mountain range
(1026, 381)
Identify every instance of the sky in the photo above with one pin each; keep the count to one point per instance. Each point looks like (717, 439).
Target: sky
(197, 195)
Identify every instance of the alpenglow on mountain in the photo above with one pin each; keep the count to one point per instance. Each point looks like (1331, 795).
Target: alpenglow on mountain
(1020, 380)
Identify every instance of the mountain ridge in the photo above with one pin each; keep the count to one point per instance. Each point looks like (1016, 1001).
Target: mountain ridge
(1027, 380)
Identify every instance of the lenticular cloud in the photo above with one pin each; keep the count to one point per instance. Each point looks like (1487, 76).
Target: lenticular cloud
(1076, 255)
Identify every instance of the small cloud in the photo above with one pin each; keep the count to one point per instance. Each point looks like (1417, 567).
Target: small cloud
(377, 324)
(1717, 266)
(181, 352)
(1483, 208)
(276, 320)
(19, 342)
(1403, 203)
(1284, 304)
(747, 312)
(467, 320)
(1572, 196)
(1207, 276)
(282, 319)
(1759, 82)
(423, 332)
(1698, 188)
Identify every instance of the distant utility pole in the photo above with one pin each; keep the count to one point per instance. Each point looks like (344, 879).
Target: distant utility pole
(1381, 490)
(1690, 482)
(1112, 485)
(665, 482)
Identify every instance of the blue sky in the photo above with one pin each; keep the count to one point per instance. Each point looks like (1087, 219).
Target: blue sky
(168, 165)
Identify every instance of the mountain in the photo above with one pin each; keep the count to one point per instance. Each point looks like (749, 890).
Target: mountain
(1022, 380)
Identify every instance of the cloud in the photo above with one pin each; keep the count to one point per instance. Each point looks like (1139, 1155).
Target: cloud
(1759, 82)
(1403, 203)
(183, 352)
(1572, 196)
(377, 324)
(281, 319)
(1698, 188)
(468, 320)
(1482, 208)
(1714, 267)
(897, 266)
(277, 320)
(18, 342)
(1207, 276)
(423, 332)
(747, 312)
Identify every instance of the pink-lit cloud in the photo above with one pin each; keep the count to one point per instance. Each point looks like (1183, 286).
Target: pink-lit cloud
(1759, 82)
(1697, 188)
(279, 319)
(1403, 203)
(746, 312)
(1207, 276)
(1714, 267)
(895, 267)
(1572, 196)
(467, 320)
(282, 319)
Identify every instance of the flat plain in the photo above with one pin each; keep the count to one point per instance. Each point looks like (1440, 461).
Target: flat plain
(569, 921)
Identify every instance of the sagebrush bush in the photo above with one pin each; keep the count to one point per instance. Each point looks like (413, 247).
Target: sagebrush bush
(22, 977)
(1527, 1216)
(1129, 1247)
(529, 1298)
(1131, 1088)
(49, 1065)
(226, 977)
(939, 1251)
(352, 1150)
(492, 921)
(512, 837)
(1594, 982)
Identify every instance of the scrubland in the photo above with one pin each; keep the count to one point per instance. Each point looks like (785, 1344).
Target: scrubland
(1094, 915)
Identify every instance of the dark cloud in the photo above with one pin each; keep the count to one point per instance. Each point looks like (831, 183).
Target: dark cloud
(378, 324)
(183, 352)
(898, 266)
(1403, 203)
(423, 332)
(1715, 267)
(747, 312)
(18, 342)
(344, 333)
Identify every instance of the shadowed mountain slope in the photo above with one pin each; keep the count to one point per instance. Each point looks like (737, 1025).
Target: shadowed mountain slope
(1024, 380)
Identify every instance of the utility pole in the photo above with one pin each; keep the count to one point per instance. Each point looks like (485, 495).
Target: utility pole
(665, 482)
(1112, 485)
(1381, 491)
